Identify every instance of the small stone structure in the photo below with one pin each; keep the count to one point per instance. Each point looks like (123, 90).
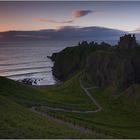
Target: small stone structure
(127, 41)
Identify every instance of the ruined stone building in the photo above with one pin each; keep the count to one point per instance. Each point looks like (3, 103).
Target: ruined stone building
(127, 41)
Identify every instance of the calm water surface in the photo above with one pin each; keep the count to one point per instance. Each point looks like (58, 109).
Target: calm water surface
(20, 60)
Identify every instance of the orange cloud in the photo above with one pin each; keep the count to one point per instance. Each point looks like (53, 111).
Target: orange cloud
(81, 13)
(75, 14)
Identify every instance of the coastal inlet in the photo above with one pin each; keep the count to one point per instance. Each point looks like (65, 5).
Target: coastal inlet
(27, 63)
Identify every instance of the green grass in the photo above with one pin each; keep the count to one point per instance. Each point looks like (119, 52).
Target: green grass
(116, 115)
(69, 93)
(17, 121)
(20, 93)
(119, 115)
(25, 95)
(120, 110)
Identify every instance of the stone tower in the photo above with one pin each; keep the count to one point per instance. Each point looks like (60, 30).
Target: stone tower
(127, 41)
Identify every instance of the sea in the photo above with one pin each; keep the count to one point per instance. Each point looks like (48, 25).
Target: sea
(21, 60)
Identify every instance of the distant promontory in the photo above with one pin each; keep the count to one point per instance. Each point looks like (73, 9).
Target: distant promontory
(102, 63)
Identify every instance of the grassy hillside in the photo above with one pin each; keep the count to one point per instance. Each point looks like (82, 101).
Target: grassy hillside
(18, 121)
(20, 93)
(66, 95)
(120, 112)
(69, 93)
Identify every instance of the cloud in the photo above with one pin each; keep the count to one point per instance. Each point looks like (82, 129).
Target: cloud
(75, 14)
(68, 34)
(81, 13)
(54, 21)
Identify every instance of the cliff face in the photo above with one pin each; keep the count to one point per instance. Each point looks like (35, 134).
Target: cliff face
(105, 68)
(53, 57)
(70, 60)
(136, 65)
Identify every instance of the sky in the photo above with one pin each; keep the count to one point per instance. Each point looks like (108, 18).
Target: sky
(36, 15)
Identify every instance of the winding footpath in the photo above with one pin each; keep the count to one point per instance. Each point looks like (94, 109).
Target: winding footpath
(71, 125)
(98, 107)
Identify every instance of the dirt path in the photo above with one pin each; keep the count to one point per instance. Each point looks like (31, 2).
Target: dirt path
(70, 125)
(98, 107)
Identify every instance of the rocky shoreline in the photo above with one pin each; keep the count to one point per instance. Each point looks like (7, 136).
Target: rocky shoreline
(29, 81)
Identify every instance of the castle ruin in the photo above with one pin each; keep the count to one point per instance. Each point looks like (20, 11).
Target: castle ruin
(127, 41)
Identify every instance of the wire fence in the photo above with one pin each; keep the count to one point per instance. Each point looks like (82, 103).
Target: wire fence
(94, 129)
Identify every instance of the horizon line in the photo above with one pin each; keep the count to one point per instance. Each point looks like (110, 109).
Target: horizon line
(61, 27)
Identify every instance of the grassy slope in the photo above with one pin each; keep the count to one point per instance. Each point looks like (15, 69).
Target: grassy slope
(117, 116)
(69, 93)
(120, 112)
(20, 93)
(17, 121)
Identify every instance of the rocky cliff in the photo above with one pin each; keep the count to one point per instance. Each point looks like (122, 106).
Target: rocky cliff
(70, 60)
(107, 68)
(104, 64)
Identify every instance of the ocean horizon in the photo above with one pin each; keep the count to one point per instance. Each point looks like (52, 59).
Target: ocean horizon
(28, 60)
